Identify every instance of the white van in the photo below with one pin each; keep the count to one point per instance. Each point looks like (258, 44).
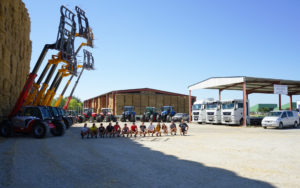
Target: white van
(281, 119)
(213, 112)
(232, 112)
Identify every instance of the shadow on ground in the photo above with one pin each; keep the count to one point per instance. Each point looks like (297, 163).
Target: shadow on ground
(69, 161)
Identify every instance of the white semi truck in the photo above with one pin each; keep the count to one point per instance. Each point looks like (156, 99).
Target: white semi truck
(213, 112)
(232, 112)
(198, 111)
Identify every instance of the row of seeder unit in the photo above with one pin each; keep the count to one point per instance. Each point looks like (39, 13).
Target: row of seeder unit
(33, 112)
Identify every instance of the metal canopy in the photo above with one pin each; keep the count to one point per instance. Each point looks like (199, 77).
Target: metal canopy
(253, 84)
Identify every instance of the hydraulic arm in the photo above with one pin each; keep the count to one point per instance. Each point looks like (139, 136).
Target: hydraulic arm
(85, 32)
(88, 63)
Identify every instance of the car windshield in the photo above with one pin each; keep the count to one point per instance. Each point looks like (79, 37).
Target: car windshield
(149, 109)
(179, 114)
(211, 106)
(128, 108)
(106, 110)
(87, 110)
(196, 107)
(274, 114)
(167, 108)
(227, 105)
(45, 113)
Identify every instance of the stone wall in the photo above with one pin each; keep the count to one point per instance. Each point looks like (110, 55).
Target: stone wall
(15, 52)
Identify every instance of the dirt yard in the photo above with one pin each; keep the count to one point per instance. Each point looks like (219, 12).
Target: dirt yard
(209, 156)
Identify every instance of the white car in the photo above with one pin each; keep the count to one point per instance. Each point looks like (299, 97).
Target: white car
(281, 119)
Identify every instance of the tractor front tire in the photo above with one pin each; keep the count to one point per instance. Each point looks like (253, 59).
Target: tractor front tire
(59, 129)
(39, 130)
(5, 129)
(123, 119)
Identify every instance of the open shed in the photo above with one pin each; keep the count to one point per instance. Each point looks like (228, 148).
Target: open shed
(248, 85)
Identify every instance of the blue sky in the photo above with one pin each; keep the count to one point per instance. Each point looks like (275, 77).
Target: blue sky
(171, 44)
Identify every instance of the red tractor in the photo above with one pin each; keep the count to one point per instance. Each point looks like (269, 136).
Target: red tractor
(106, 115)
(87, 114)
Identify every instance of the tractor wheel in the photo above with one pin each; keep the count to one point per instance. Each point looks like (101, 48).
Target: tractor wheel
(123, 119)
(67, 123)
(158, 118)
(143, 118)
(168, 118)
(80, 119)
(39, 130)
(152, 118)
(107, 119)
(98, 119)
(132, 119)
(59, 129)
(114, 119)
(5, 129)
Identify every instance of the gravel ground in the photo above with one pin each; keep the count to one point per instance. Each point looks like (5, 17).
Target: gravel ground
(209, 156)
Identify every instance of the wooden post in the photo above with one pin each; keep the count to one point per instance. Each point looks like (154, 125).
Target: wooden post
(291, 102)
(244, 104)
(190, 106)
(114, 103)
(279, 105)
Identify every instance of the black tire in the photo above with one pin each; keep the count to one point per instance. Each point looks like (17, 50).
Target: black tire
(168, 118)
(67, 123)
(265, 127)
(59, 129)
(107, 119)
(39, 130)
(114, 119)
(123, 119)
(295, 124)
(5, 129)
(98, 118)
(158, 118)
(132, 119)
(280, 125)
(241, 121)
(80, 119)
(152, 118)
(143, 118)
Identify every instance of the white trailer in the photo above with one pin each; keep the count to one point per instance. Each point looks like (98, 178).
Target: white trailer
(199, 111)
(232, 112)
(213, 112)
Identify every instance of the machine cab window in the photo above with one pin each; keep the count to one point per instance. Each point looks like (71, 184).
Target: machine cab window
(283, 115)
(35, 112)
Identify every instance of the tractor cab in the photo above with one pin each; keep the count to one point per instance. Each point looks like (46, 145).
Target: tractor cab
(128, 113)
(167, 113)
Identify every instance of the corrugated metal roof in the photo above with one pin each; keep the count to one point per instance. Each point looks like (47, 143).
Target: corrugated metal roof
(253, 84)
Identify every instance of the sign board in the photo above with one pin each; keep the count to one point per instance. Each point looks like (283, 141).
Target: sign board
(280, 89)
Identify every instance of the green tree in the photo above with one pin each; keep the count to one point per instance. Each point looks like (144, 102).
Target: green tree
(74, 104)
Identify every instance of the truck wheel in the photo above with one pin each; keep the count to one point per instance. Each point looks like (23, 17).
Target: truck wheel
(295, 124)
(132, 119)
(59, 129)
(80, 119)
(241, 121)
(5, 129)
(39, 130)
(280, 125)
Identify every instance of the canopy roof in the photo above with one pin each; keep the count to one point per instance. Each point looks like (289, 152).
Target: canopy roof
(253, 84)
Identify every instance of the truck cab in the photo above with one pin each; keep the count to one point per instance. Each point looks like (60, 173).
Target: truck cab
(199, 111)
(232, 112)
(213, 112)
